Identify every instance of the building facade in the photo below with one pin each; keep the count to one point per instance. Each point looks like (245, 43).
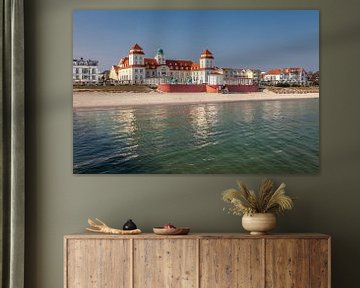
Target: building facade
(137, 69)
(85, 71)
(296, 76)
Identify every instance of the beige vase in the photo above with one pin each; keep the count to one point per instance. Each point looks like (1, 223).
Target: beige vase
(259, 223)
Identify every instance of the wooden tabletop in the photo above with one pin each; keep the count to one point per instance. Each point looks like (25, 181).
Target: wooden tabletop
(89, 235)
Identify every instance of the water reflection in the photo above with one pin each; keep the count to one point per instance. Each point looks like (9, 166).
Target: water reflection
(272, 110)
(203, 119)
(124, 121)
(242, 137)
(248, 113)
(123, 130)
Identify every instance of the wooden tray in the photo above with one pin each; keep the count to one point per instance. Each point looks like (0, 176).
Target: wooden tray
(171, 231)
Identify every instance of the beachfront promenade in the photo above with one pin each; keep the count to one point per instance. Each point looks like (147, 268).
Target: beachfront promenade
(96, 99)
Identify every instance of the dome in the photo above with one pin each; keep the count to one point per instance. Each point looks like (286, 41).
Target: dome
(160, 51)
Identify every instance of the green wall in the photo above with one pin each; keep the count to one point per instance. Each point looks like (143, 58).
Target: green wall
(59, 203)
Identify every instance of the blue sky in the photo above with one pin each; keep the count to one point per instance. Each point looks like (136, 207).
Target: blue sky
(263, 39)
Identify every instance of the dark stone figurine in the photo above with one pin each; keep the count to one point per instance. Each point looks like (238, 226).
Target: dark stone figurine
(129, 225)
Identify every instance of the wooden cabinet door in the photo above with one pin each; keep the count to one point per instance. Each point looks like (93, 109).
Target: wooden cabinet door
(165, 263)
(98, 263)
(231, 263)
(297, 263)
(287, 263)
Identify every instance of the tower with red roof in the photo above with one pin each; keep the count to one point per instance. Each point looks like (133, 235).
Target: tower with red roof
(206, 66)
(136, 55)
(206, 59)
(135, 71)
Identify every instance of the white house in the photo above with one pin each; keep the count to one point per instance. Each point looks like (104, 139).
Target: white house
(286, 75)
(295, 75)
(85, 71)
(273, 76)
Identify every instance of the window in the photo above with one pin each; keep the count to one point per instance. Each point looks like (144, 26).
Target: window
(136, 70)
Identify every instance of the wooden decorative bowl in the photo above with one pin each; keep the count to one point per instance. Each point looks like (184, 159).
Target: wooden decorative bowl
(171, 231)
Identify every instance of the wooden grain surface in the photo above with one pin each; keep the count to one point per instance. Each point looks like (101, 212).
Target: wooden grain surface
(197, 260)
(319, 263)
(98, 263)
(165, 263)
(231, 263)
(287, 263)
(89, 235)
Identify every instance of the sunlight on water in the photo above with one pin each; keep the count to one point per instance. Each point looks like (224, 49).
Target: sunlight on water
(240, 137)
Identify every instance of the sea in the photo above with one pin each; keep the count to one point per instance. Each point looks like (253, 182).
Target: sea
(247, 137)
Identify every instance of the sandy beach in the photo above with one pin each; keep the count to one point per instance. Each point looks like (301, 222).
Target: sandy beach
(112, 100)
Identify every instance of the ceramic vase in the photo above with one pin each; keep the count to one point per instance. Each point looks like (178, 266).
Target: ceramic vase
(259, 223)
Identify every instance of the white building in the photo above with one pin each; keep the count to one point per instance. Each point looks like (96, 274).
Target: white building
(286, 75)
(216, 78)
(85, 71)
(273, 76)
(137, 69)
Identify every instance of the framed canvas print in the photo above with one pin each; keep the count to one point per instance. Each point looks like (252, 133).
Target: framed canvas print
(196, 91)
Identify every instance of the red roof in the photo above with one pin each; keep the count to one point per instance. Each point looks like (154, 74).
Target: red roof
(195, 66)
(124, 62)
(136, 47)
(274, 72)
(179, 64)
(207, 54)
(293, 70)
(285, 70)
(150, 63)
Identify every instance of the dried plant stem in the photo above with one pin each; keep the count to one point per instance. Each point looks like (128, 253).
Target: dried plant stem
(245, 201)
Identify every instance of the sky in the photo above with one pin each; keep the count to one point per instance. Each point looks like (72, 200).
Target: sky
(258, 39)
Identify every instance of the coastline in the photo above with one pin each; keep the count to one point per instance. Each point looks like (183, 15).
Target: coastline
(91, 100)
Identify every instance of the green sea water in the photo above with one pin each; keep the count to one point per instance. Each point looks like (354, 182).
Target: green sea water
(250, 137)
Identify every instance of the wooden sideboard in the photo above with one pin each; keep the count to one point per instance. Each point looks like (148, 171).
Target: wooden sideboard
(197, 260)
